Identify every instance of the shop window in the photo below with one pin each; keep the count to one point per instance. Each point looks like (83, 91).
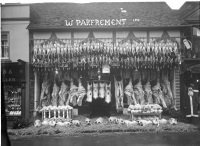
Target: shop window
(5, 46)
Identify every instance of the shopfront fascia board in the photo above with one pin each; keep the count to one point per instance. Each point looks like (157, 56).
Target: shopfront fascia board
(54, 28)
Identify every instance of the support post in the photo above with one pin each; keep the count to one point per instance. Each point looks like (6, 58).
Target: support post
(36, 93)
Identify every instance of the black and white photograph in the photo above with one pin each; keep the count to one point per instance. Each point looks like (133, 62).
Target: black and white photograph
(100, 73)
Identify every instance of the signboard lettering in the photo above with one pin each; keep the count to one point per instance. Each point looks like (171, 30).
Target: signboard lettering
(95, 22)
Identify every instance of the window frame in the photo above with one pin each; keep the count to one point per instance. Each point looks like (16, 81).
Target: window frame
(8, 39)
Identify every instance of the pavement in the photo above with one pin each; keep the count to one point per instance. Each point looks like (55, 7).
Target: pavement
(115, 139)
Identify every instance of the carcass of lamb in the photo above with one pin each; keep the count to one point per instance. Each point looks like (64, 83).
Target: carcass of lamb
(128, 91)
(147, 91)
(101, 89)
(108, 92)
(89, 92)
(139, 93)
(158, 94)
(45, 93)
(81, 93)
(73, 93)
(63, 94)
(95, 90)
(168, 96)
(55, 95)
(119, 94)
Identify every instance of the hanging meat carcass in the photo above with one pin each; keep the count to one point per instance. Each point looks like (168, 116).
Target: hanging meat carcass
(147, 91)
(119, 94)
(158, 94)
(168, 96)
(89, 92)
(55, 95)
(73, 93)
(128, 91)
(139, 93)
(63, 94)
(45, 92)
(95, 90)
(81, 93)
(108, 92)
(101, 89)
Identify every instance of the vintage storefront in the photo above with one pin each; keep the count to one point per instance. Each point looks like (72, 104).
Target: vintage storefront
(101, 60)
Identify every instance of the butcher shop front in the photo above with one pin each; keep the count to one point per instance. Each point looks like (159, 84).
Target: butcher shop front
(89, 62)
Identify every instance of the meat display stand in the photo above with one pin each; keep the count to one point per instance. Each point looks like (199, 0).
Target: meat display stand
(134, 116)
(149, 110)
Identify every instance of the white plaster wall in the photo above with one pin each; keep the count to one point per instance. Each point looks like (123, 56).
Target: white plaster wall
(103, 34)
(15, 11)
(19, 39)
(80, 35)
(155, 33)
(122, 34)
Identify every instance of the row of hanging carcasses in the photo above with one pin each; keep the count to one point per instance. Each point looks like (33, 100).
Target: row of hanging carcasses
(126, 55)
(159, 92)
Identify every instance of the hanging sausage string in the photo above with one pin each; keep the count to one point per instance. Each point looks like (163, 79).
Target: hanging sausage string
(129, 54)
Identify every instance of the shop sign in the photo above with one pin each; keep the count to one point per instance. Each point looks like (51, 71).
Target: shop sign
(96, 22)
(106, 69)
